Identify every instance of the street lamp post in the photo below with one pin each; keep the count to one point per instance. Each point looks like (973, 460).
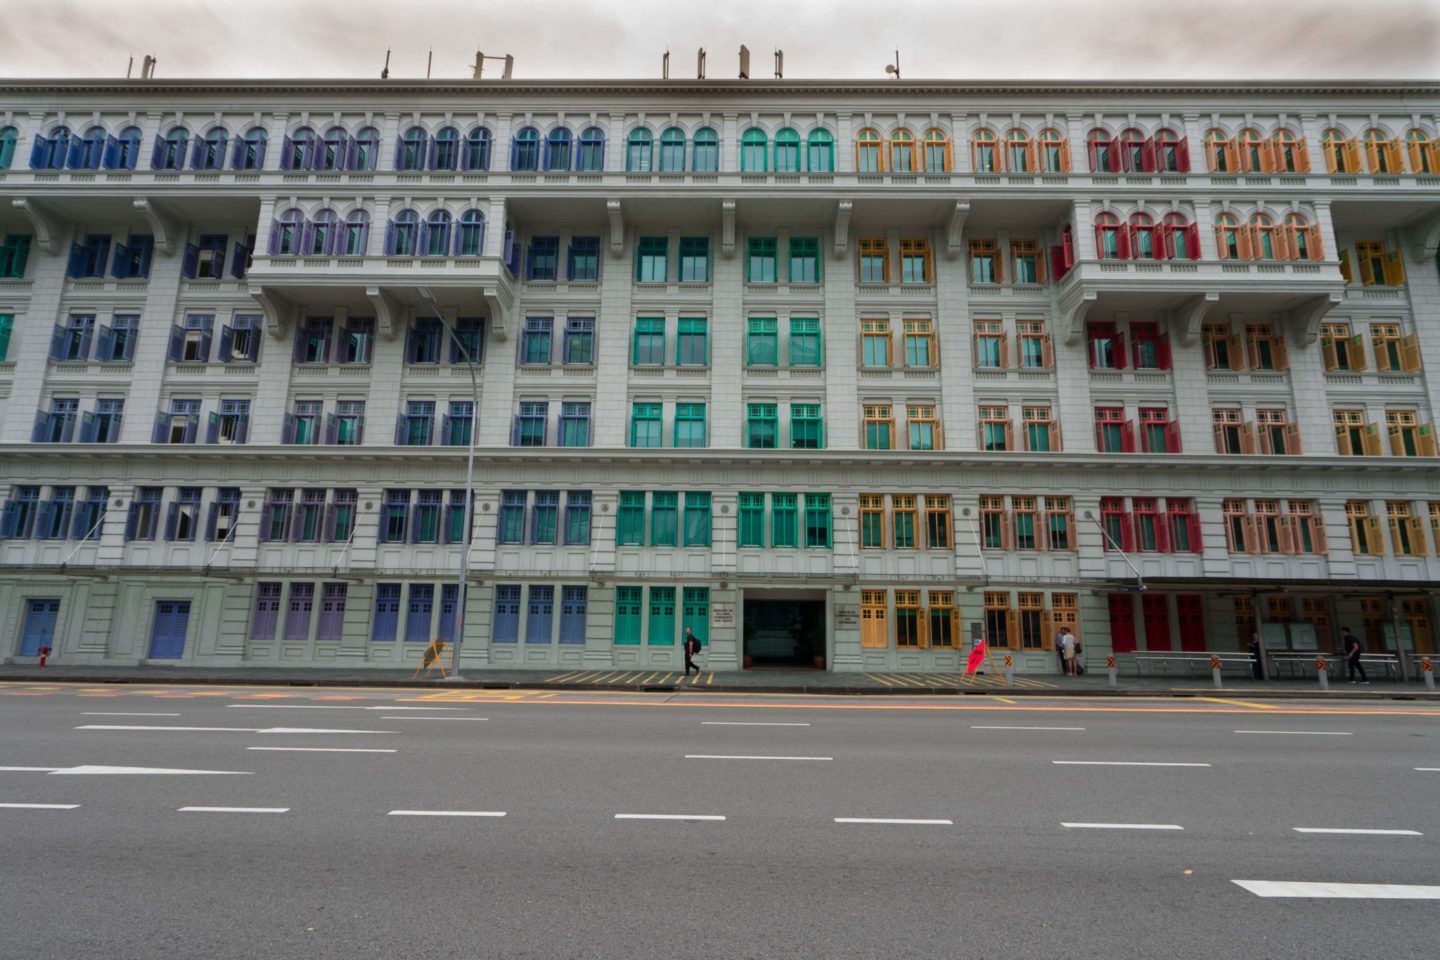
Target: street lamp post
(459, 623)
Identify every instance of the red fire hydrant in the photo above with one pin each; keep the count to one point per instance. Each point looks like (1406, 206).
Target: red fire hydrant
(44, 652)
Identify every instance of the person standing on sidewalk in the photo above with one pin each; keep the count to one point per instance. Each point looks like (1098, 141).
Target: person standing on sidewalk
(1060, 647)
(1353, 648)
(1067, 647)
(692, 647)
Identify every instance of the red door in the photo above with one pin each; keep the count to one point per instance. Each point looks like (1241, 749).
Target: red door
(1156, 607)
(1122, 623)
(1192, 623)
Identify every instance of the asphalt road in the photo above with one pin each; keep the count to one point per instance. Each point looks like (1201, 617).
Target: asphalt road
(304, 855)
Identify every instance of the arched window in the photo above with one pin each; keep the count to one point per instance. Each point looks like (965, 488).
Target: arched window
(557, 149)
(1222, 154)
(591, 156)
(1104, 157)
(1263, 245)
(471, 239)
(1254, 152)
(410, 151)
(210, 152)
(1107, 236)
(1172, 152)
(754, 151)
(8, 136)
(867, 152)
(1288, 153)
(49, 153)
(286, 233)
(705, 151)
(356, 235)
(1134, 158)
(334, 150)
(1142, 237)
(1054, 151)
(984, 151)
(1019, 152)
(170, 149)
(86, 152)
(1228, 237)
(787, 151)
(938, 155)
(1341, 153)
(435, 234)
(672, 150)
(525, 150)
(1180, 238)
(476, 155)
(320, 234)
(1302, 238)
(249, 149)
(820, 151)
(902, 151)
(1423, 155)
(402, 234)
(1381, 153)
(445, 149)
(299, 150)
(638, 150)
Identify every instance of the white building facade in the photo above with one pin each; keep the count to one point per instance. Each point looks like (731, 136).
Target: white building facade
(832, 373)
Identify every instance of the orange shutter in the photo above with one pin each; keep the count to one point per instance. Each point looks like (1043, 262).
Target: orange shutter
(1302, 156)
(1410, 354)
(1292, 439)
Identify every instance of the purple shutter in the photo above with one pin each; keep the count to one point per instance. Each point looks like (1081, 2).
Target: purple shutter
(105, 344)
(287, 432)
(205, 345)
(212, 430)
(287, 156)
(514, 432)
(275, 237)
(238, 255)
(87, 427)
(162, 421)
(242, 428)
(422, 238)
(297, 520)
(332, 428)
(192, 427)
(42, 427)
(266, 513)
(57, 343)
(390, 250)
(172, 520)
(297, 351)
(191, 262)
(177, 341)
(157, 155)
(307, 237)
(400, 431)
(227, 338)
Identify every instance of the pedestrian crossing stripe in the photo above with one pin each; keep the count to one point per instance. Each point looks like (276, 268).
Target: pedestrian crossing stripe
(627, 678)
(955, 680)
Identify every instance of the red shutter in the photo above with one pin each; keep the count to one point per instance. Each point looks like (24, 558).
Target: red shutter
(1172, 436)
(1122, 622)
(1120, 351)
(1127, 437)
(1127, 533)
(1147, 156)
(1190, 611)
(1164, 243)
(1156, 609)
(1115, 151)
(1058, 267)
(1182, 154)
(1067, 243)
(1124, 240)
(1163, 351)
(1192, 240)
(1162, 533)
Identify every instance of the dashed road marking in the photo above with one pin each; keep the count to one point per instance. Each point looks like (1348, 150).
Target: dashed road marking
(39, 806)
(1340, 891)
(668, 816)
(1124, 763)
(1360, 831)
(1122, 826)
(721, 756)
(233, 810)
(446, 813)
(897, 821)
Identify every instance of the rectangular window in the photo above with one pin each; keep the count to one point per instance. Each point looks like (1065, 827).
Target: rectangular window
(456, 529)
(909, 620)
(459, 423)
(879, 427)
(875, 343)
(109, 417)
(7, 327)
(646, 424)
(761, 260)
(1028, 261)
(694, 259)
(1030, 621)
(312, 342)
(540, 614)
(1222, 348)
(1115, 524)
(1304, 528)
(999, 622)
(507, 614)
(630, 523)
(1158, 434)
(223, 512)
(1025, 524)
(542, 261)
(1264, 348)
(425, 339)
(574, 603)
(804, 260)
(1276, 433)
(416, 424)
(697, 519)
(690, 347)
(1364, 529)
(1232, 432)
(751, 532)
(280, 502)
(1239, 534)
(650, 256)
(395, 517)
(784, 520)
(1379, 267)
(817, 520)
(545, 517)
(1183, 525)
(904, 522)
(628, 607)
(649, 347)
(874, 624)
(874, 260)
(1342, 351)
(690, 425)
(1407, 537)
(1059, 522)
(762, 342)
(511, 527)
(762, 426)
(805, 342)
(1036, 352)
(530, 424)
(1353, 436)
(535, 340)
(1042, 434)
(872, 521)
(1152, 348)
(916, 265)
(72, 338)
(1150, 537)
(942, 632)
(661, 627)
(995, 429)
(1409, 437)
(807, 428)
(348, 427)
(309, 517)
(20, 514)
(922, 428)
(1113, 433)
(989, 344)
(356, 340)
(984, 264)
(938, 522)
(920, 346)
(579, 341)
(664, 519)
(583, 260)
(1394, 351)
(575, 424)
(298, 612)
(266, 612)
(695, 615)
(1106, 346)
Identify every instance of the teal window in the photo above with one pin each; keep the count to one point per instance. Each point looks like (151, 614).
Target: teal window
(628, 606)
(630, 523)
(672, 151)
(752, 520)
(664, 519)
(784, 520)
(821, 152)
(753, 151)
(705, 151)
(545, 517)
(638, 150)
(580, 341)
(7, 324)
(697, 519)
(762, 343)
(807, 427)
(649, 349)
(695, 614)
(787, 151)
(577, 517)
(804, 260)
(575, 424)
(694, 259)
(14, 253)
(761, 262)
(817, 520)
(690, 425)
(690, 346)
(650, 256)
(662, 616)
(805, 342)
(512, 516)
(645, 424)
(535, 340)
(762, 426)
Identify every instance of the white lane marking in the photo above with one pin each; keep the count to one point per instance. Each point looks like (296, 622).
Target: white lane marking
(934, 823)
(667, 816)
(38, 806)
(103, 770)
(109, 726)
(1340, 891)
(985, 727)
(324, 749)
(446, 813)
(1365, 832)
(434, 718)
(722, 756)
(1122, 826)
(1304, 733)
(1123, 763)
(748, 723)
(233, 810)
(323, 706)
(120, 714)
(30, 769)
(1428, 769)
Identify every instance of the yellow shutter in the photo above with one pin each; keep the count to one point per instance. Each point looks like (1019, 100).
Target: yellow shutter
(1345, 266)
(1327, 349)
(1425, 440)
(1372, 440)
(1342, 442)
(1395, 269)
(1357, 353)
(1410, 354)
(1367, 275)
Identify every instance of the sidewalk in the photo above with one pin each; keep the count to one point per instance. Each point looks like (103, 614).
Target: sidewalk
(779, 681)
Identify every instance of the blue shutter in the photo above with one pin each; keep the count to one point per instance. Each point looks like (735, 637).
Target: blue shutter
(111, 158)
(212, 430)
(120, 263)
(76, 264)
(287, 432)
(191, 261)
(42, 427)
(85, 339)
(132, 520)
(212, 521)
(39, 153)
(57, 343)
(332, 428)
(238, 256)
(205, 345)
(87, 427)
(157, 154)
(75, 158)
(227, 337)
(147, 250)
(177, 341)
(192, 427)
(8, 519)
(161, 422)
(172, 520)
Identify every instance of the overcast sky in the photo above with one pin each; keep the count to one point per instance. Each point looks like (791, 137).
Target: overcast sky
(1009, 39)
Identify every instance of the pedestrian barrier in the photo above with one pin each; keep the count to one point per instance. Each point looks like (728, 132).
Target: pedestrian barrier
(1299, 664)
(1217, 661)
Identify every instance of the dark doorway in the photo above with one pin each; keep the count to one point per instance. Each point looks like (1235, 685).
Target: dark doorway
(784, 632)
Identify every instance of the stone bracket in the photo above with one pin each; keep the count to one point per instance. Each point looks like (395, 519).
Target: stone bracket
(955, 229)
(46, 225)
(389, 318)
(617, 227)
(1074, 318)
(843, 210)
(1307, 318)
(1424, 239)
(162, 225)
(727, 227)
(1193, 314)
(279, 312)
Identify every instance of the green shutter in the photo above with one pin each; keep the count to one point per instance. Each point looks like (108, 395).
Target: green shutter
(752, 520)
(630, 526)
(628, 607)
(7, 323)
(662, 616)
(817, 520)
(783, 520)
(664, 518)
(696, 612)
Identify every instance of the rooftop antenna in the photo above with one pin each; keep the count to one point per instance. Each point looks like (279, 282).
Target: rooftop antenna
(894, 68)
(779, 64)
(429, 62)
(744, 62)
(665, 66)
(147, 67)
(700, 64)
(480, 59)
(130, 67)
(385, 74)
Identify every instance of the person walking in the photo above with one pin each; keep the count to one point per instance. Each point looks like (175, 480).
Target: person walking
(1067, 647)
(692, 647)
(1060, 647)
(1353, 648)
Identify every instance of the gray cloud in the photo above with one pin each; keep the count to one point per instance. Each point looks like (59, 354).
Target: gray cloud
(1014, 39)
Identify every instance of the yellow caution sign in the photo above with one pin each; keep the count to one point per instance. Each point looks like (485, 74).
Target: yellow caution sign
(431, 659)
(1009, 661)
(1320, 663)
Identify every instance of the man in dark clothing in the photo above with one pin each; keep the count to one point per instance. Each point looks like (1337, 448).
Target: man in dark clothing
(1256, 671)
(692, 647)
(1351, 645)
